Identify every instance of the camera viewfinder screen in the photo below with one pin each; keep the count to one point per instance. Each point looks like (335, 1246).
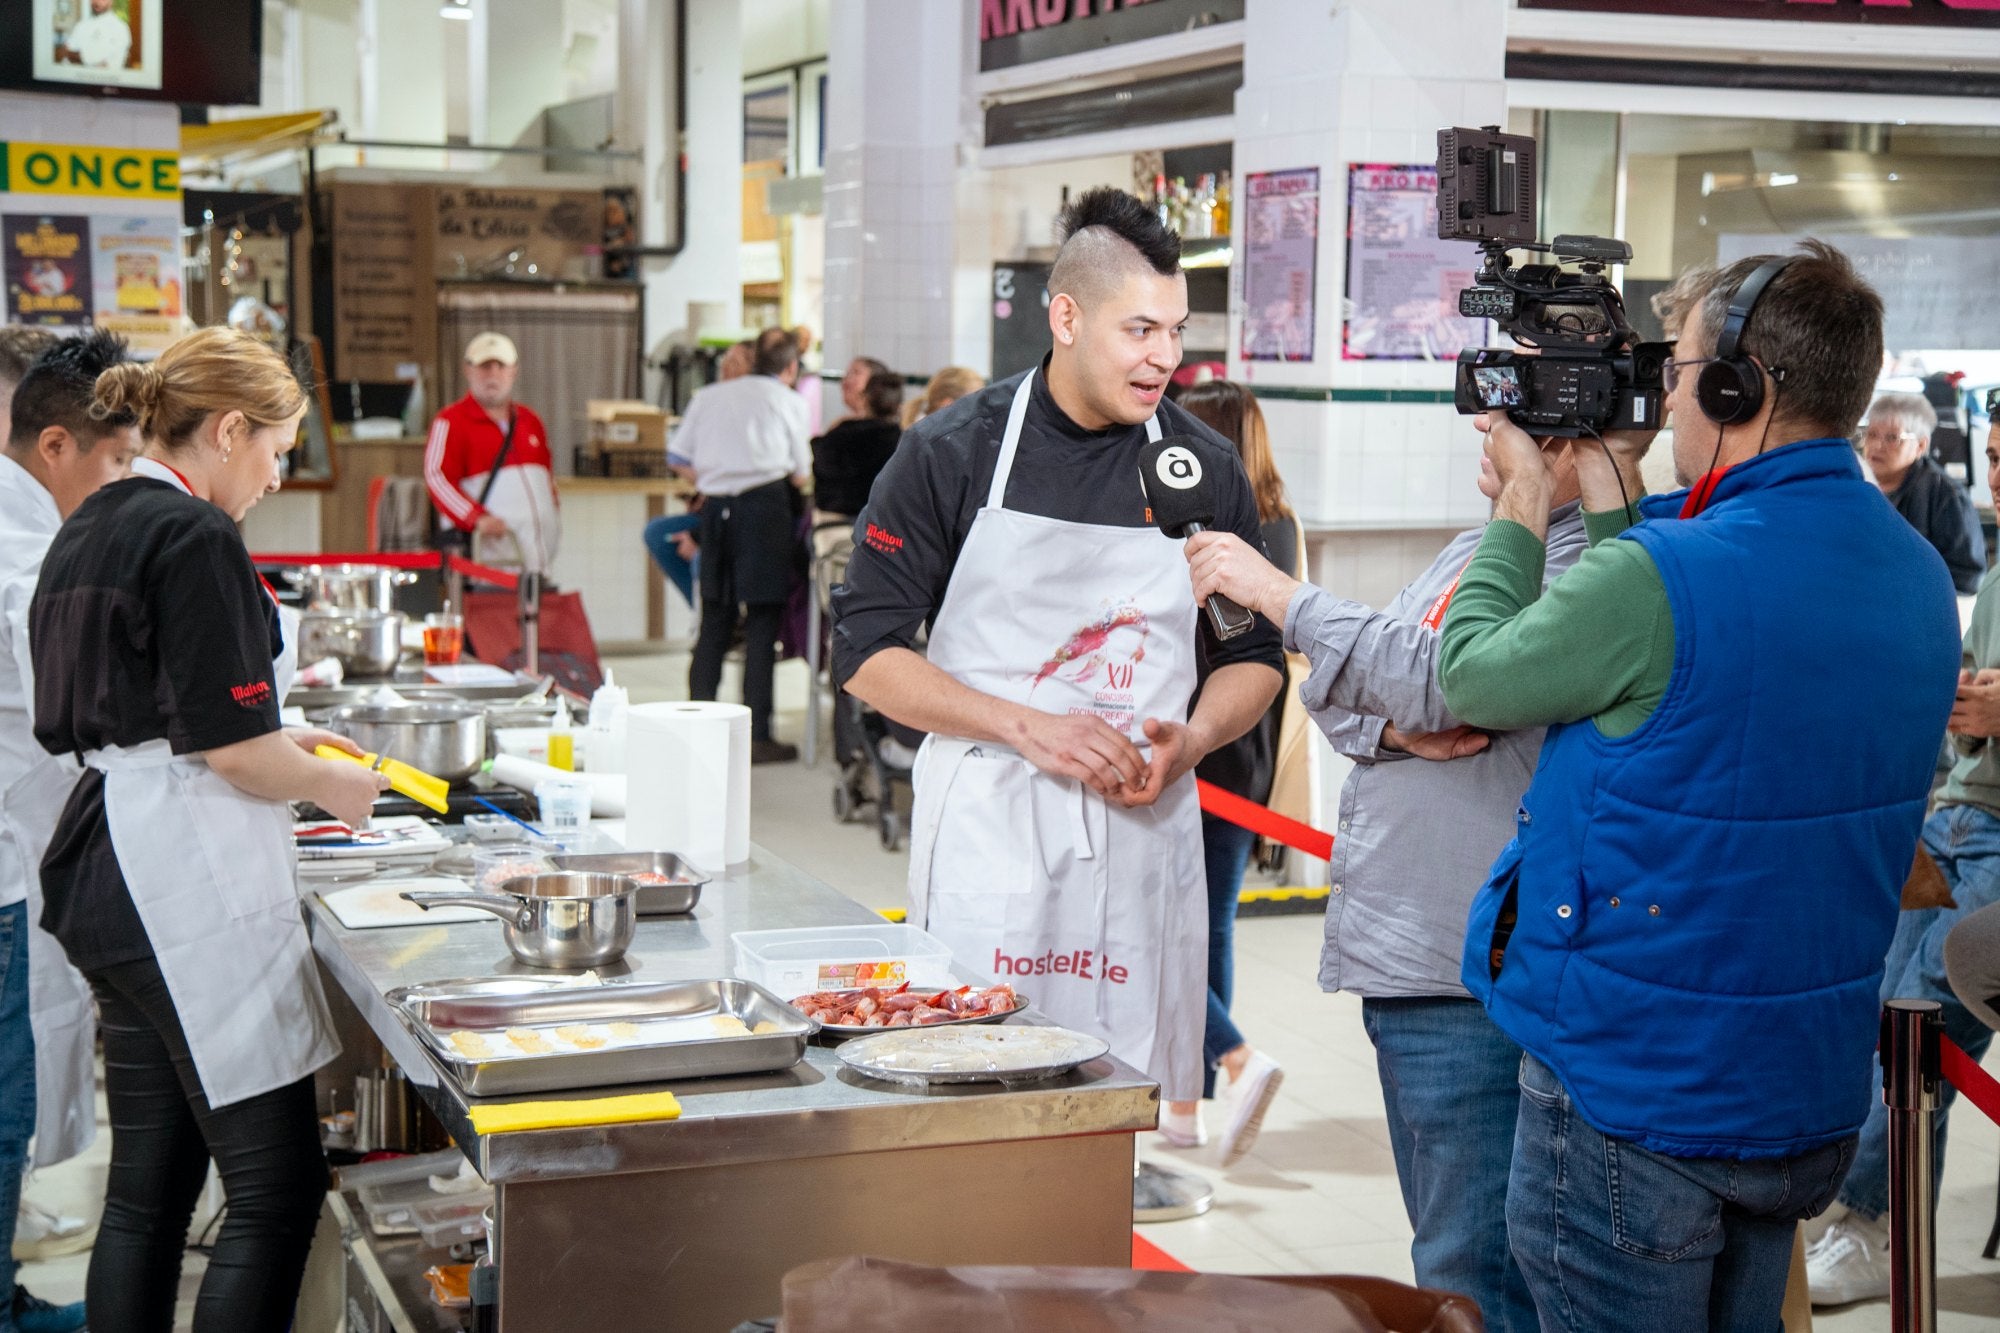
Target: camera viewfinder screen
(1497, 386)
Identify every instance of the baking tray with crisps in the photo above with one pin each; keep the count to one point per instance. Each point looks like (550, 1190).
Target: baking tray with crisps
(501, 1035)
(832, 1031)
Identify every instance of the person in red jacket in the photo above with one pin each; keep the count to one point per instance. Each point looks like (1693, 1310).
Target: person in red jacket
(488, 465)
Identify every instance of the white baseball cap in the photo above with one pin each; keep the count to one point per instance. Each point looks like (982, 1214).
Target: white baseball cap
(489, 346)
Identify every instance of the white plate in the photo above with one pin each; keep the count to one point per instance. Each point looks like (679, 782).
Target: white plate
(1012, 1054)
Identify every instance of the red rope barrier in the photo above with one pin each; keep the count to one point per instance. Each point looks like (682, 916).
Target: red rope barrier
(485, 573)
(1264, 822)
(1978, 1086)
(500, 578)
(393, 559)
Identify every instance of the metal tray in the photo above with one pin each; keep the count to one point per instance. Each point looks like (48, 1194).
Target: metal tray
(1023, 1054)
(670, 1041)
(843, 1032)
(677, 896)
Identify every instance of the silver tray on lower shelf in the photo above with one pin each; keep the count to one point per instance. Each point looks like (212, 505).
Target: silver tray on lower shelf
(499, 1035)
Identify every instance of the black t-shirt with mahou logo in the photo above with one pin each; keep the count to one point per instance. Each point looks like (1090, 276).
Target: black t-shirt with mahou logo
(149, 623)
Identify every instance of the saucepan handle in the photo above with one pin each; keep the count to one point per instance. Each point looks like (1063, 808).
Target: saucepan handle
(504, 906)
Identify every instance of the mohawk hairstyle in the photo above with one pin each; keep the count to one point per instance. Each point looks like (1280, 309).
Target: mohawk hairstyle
(59, 387)
(1111, 210)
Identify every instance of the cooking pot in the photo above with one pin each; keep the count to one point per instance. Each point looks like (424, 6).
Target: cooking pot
(351, 587)
(446, 740)
(564, 918)
(368, 643)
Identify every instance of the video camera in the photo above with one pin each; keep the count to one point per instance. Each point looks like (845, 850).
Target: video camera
(1590, 374)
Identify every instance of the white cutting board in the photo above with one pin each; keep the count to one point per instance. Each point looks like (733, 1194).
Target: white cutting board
(374, 905)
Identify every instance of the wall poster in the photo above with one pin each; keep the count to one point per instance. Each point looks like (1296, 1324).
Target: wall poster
(48, 269)
(136, 279)
(1402, 281)
(1280, 263)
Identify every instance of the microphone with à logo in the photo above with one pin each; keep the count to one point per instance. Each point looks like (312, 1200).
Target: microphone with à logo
(1182, 499)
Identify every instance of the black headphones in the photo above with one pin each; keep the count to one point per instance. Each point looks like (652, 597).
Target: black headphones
(1730, 389)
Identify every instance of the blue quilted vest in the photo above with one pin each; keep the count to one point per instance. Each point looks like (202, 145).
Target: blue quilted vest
(1703, 906)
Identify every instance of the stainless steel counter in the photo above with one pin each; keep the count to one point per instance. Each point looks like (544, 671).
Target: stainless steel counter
(759, 1173)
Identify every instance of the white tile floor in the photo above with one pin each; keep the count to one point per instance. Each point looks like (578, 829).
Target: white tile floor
(1319, 1192)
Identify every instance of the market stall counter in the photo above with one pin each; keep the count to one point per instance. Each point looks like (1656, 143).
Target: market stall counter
(691, 1223)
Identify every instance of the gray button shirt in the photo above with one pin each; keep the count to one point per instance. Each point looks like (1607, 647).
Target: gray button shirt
(1415, 837)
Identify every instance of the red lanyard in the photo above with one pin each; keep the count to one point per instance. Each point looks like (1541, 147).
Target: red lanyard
(1702, 492)
(1434, 617)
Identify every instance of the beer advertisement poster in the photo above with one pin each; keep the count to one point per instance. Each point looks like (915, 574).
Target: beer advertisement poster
(48, 269)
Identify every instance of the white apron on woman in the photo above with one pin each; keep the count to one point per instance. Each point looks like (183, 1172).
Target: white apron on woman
(1097, 913)
(213, 875)
(62, 1015)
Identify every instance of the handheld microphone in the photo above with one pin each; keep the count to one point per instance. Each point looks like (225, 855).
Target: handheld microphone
(1183, 503)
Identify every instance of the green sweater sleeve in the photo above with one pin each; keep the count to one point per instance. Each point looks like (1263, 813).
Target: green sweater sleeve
(1598, 644)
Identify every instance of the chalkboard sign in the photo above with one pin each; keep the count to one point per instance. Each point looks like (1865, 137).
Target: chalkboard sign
(1020, 317)
(1936, 290)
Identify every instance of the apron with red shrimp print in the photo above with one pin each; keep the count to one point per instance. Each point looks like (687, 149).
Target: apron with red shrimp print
(1097, 913)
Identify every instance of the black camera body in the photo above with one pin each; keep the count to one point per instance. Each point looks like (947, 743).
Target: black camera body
(1587, 374)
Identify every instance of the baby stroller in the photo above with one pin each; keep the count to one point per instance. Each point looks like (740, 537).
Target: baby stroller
(874, 754)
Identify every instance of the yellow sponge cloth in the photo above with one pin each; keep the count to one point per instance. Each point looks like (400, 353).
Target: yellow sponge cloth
(505, 1117)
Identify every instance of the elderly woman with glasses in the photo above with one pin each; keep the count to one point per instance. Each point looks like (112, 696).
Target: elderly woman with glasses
(1896, 444)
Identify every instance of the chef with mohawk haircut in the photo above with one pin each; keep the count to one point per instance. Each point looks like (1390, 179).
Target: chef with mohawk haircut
(1056, 837)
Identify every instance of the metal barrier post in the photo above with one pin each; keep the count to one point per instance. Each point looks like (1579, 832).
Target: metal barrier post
(1910, 1032)
(531, 623)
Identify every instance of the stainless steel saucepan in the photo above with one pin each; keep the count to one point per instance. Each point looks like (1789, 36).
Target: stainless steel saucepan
(568, 919)
(446, 740)
(351, 587)
(368, 643)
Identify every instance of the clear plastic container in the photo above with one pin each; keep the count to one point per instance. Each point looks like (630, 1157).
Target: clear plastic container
(565, 806)
(791, 963)
(493, 864)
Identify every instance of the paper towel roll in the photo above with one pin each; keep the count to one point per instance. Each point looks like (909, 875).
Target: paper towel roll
(607, 790)
(687, 773)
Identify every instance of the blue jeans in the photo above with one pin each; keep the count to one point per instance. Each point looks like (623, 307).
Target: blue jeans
(1610, 1235)
(659, 538)
(1449, 1087)
(17, 1089)
(1225, 851)
(1965, 840)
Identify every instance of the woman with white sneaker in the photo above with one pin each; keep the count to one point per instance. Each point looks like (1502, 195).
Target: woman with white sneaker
(1246, 767)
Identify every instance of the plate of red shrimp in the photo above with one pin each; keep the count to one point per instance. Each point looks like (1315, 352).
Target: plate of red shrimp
(850, 1013)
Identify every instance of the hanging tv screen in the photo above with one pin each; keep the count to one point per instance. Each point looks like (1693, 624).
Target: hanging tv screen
(205, 52)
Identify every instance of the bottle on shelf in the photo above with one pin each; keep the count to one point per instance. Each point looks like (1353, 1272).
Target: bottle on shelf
(1201, 221)
(1220, 211)
(1160, 198)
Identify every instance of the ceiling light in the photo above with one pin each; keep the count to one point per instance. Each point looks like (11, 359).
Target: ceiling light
(455, 9)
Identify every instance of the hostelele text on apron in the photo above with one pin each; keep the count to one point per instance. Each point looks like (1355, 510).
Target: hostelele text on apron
(1097, 912)
(212, 873)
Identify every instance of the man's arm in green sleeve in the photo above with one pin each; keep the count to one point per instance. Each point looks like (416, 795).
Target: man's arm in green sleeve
(1598, 642)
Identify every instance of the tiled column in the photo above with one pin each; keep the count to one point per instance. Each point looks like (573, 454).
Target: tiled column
(1325, 86)
(896, 71)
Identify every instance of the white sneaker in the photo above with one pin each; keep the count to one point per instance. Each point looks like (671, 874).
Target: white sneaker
(1813, 1228)
(1182, 1131)
(1245, 1101)
(1850, 1262)
(41, 1234)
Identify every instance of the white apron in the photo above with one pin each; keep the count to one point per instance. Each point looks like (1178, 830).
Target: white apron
(213, 875)
(1097, 913)
(62, 1013)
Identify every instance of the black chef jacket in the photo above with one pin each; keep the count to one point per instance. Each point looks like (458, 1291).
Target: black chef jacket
(148, 623)
(908, 536)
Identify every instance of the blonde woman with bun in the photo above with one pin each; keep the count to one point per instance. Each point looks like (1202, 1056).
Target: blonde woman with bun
(160, 658)
(946, 387)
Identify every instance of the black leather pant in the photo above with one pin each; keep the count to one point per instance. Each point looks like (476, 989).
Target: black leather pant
(760, 657)
(163, 1135)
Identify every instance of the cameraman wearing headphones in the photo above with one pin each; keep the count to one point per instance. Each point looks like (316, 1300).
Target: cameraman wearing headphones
(1686, 933)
